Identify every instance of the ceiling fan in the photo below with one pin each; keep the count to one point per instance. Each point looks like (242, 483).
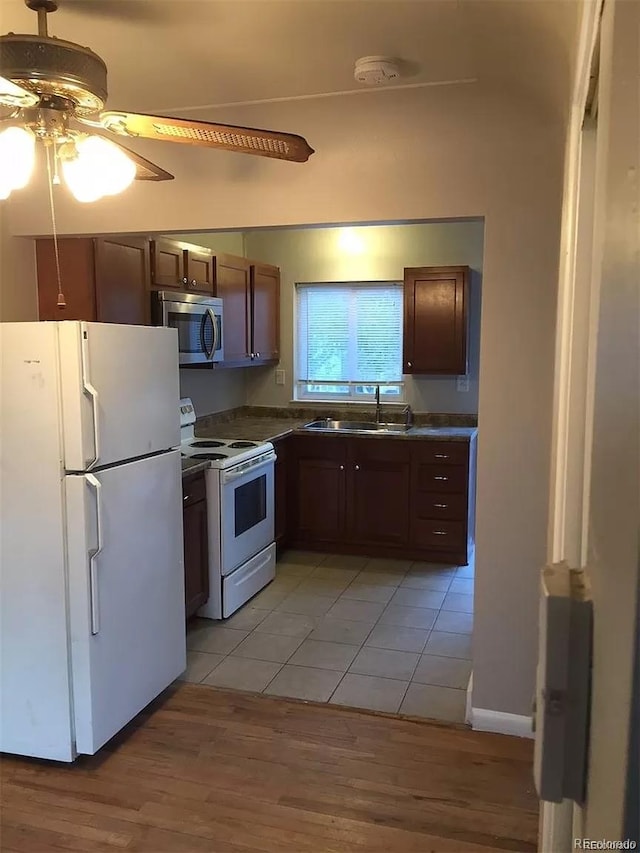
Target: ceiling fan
(55, 91)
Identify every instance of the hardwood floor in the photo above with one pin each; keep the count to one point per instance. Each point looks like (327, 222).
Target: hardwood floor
(222, 772)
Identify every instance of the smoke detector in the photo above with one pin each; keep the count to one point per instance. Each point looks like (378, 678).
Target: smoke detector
(376, 70)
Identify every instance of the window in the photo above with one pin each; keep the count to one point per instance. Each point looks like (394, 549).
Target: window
(349, 339)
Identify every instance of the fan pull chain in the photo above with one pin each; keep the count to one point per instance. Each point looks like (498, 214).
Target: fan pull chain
(61, 301)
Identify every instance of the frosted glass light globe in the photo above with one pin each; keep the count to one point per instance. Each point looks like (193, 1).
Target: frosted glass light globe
(17, 156)
(100, 168)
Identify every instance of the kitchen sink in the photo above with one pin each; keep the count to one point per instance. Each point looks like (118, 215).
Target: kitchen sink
(330, 425)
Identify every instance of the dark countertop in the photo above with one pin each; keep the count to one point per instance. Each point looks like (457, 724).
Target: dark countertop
(251, 428)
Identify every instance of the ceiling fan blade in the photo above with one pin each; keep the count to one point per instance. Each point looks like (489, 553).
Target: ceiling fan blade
(145, 169)
(246, 140)
(12, 95)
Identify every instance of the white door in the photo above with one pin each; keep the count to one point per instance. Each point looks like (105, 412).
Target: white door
(120, 392)
(126, 591)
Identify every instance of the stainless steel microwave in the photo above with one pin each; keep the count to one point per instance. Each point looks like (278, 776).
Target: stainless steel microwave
(198, 320)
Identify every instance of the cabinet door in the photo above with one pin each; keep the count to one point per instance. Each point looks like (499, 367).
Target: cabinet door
(122, 280)
(196, 553)
(378, 492)
(435, 320)
(281, 491)
(319, 487)
(200, 271)
(233, 286)
(77, 273)
(265, 312)
(167, 264)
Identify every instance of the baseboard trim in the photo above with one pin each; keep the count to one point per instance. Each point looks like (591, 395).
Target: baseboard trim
(485, 720)
(468, 711)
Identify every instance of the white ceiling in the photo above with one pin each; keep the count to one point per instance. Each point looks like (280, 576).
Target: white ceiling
(183, 55)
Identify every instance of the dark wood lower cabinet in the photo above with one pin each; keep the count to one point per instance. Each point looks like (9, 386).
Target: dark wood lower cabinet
(281, 489)
(196, 549)
(378, 492)
(410, 499)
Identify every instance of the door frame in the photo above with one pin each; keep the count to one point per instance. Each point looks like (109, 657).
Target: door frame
(576, 340)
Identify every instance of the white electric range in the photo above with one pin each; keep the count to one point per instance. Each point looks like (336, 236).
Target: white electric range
(240, 514)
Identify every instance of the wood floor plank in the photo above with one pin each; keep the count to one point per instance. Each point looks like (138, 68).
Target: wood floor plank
(208, 770)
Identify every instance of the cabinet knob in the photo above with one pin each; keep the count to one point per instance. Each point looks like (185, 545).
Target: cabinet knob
(441, 506)
(186, 497)
(185, 280)
(257, 355)
(194, 283)
(409, 364)
(440, 478)
(357, 467)
(342, 467)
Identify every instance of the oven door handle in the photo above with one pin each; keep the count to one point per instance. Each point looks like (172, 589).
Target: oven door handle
(231, 475)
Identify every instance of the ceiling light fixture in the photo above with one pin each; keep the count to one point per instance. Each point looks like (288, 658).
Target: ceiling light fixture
(92, 166)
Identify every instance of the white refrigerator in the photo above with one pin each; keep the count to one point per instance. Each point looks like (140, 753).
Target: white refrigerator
(91, 559)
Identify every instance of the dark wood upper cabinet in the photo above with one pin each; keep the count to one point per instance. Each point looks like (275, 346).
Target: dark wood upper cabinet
(189, 269)
(265, 312)
(234, 287)
(251, 296)
(435, 320)
(168, 264)
(104, 279)
(122, 279)
(200, 270)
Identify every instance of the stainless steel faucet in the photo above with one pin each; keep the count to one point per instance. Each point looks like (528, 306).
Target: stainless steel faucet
(378, 412)
(408, 416)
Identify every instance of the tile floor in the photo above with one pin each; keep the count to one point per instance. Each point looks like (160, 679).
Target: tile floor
(388, 635)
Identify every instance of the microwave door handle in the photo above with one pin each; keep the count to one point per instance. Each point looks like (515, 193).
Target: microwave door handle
(203, 345)
(214, 345)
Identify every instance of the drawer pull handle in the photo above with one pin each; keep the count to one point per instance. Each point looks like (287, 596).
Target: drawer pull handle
(441, 506)
(440, 478)
(441, 455)
(439, 532)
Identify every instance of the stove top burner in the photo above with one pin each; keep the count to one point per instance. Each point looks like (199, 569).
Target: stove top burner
(236, 444)
(210, 456)
(207, 443)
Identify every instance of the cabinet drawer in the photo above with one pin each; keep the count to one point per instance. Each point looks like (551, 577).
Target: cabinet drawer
(193, 489)
(434, 505)
(442, 478)
(439, 535)
(441, 452)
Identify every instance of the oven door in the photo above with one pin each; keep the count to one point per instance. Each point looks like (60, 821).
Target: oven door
(199, 330)
(246, 508)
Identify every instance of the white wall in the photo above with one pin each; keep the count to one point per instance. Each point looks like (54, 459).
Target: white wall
(438, 153)
(17, 273)
(316, 254)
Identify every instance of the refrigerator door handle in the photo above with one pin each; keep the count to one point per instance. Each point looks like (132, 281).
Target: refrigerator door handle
(93, 555)
(90, 389)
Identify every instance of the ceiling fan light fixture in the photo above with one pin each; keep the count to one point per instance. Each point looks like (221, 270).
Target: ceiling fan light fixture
(94, 167)
(17, 158)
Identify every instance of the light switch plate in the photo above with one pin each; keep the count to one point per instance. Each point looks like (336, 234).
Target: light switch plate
(279, 377)
(462, 383)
